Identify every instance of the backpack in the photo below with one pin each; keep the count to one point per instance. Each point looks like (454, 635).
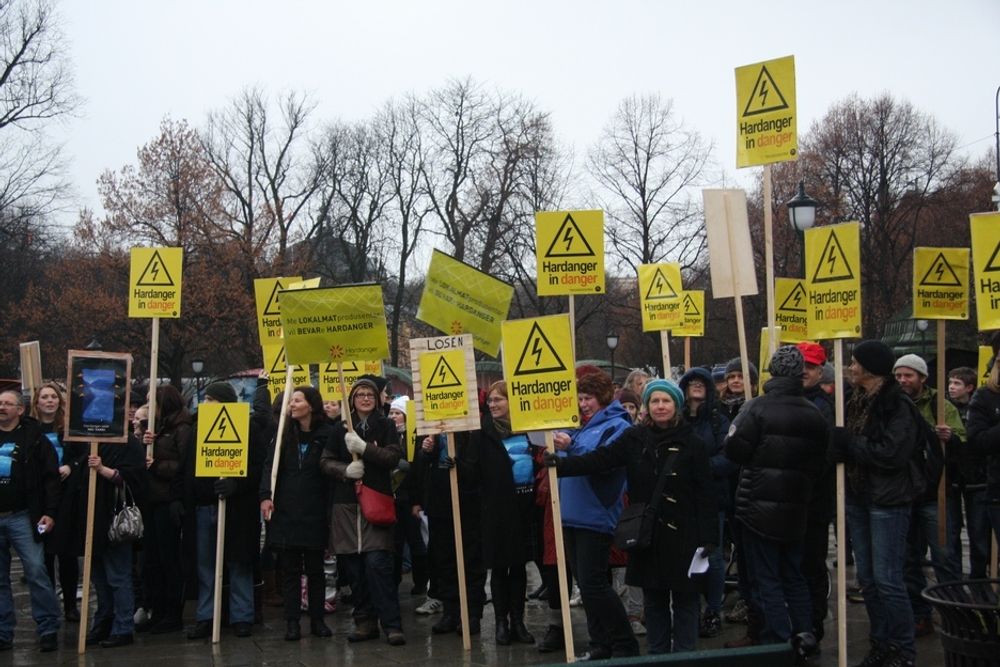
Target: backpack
(928, 455)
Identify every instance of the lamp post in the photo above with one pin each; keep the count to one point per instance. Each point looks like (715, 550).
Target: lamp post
(922, 328)
(802, 216)
(197, 365)
(612, 341)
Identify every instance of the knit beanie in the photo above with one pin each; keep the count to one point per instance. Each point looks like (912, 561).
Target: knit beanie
(735, 365)
(668, 386)
(629, 396)
(911, 361)
(399, 403)
(786, 362)
(875, 357)
(829, 375)
(222, 392)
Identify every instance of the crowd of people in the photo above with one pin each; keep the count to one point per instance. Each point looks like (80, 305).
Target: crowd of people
(702, 472)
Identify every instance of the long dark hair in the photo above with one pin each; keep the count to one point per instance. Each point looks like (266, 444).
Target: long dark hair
(170, 408)
(315, 401)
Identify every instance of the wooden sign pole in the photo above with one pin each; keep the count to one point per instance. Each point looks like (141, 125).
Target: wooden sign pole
(687, 353)
(282, 418)
(838, 358)
(665, 344)
(772, 331)
(942, 383)
(220, 549)
(572, 326)
(88, 556)
(557, 529)
(154, 355)
(456, 515)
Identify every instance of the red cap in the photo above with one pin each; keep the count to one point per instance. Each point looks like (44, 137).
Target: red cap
(812, 353)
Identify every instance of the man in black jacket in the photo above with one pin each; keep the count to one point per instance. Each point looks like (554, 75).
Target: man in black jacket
(29, 498)
(780, 440)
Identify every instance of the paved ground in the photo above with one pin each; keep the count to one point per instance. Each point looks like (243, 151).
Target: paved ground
(267, 647)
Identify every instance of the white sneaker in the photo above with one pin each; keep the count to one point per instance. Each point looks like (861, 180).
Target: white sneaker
(430, 606)
(638, 629)
(575, 600)
(140, 616)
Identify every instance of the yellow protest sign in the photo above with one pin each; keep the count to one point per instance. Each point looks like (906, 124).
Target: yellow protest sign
(335, 324)
(985, 229)
(459, 299)
(764, 358)
(444, 384)
(154, 288)
(985, 354)
(941, 283)
(660, 296)
(274, 364)
(329, 377)
(693, 310)
(223, 442)
(304, 284)
(765, 113)
(538, 364)
(792, 311)
(569, 252)
(265, 293)
(833, 263)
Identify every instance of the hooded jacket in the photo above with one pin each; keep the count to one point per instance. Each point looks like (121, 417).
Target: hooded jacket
(711, 425)
(595, 502)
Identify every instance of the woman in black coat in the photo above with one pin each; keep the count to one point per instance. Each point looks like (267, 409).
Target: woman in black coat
(508, 510)
(685, 518)
(296, 512)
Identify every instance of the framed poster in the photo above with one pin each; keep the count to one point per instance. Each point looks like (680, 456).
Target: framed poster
(97, 385)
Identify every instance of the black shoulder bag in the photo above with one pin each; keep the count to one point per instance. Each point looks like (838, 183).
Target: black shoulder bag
(635, 526)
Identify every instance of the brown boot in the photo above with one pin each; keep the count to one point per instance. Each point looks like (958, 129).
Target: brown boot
(364, 629)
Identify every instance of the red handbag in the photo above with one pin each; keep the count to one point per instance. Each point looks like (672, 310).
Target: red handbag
(378, 509)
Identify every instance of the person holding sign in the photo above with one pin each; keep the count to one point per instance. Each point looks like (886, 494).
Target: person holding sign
(507, 470)
(296, 510)
(590, 510)
(984, 439)
(365, 457)
(242, 526)
(663, 452)
(878, 446)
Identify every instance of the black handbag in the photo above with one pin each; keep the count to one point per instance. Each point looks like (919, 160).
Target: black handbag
(634, 531)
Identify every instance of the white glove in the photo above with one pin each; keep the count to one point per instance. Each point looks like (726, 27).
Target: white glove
(355, 470)
(355, 445)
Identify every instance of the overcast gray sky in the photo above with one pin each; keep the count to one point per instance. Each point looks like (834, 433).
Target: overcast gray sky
(139, 61)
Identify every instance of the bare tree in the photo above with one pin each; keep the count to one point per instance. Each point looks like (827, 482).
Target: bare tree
(648, 167)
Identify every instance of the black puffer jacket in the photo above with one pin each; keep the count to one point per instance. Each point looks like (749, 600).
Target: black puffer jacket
(984, 437)
(882, 468)
(780, 440)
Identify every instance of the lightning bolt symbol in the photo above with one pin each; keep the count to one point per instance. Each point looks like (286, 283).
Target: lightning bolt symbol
(155, 269)
(568, 238)
(222, 429)
(831, 260)
(441, 373)
(536, 350)
(762, 93)
(798, 298)
(940, 271)
(658, 285)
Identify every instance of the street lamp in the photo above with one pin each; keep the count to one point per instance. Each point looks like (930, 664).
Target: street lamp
(802, 215)
(197, 365)
(922, 328)
(612, 341)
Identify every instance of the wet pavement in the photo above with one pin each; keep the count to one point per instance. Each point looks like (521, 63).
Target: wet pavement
(267, 646)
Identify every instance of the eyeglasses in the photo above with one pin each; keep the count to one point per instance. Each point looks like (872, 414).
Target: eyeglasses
(364, 394)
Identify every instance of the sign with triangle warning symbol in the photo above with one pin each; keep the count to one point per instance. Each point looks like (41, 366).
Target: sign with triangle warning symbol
(940, 274)
(765, 96)
(273, 308)
(443, 376)
(993, 264)
(569, 241)
(538, 355)
(155, 274)
(796, 300)
(690, 307)
(833, 264)
(660, 287)
(223, 430)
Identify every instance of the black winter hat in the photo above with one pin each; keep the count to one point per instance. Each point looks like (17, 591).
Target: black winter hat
(735, 365)
(786, 362)
(875, 357)
(222, 392)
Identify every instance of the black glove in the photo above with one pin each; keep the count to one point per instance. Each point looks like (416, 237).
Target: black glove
(176, 511)
(841, 443)
(550, 459)
(224, 487)
(448, 462)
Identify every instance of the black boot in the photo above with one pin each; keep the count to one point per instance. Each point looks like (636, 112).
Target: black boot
(519, 633)
(292, 631)
(448, 623)
(319, 629)
(99, 632)
(503, 633)
(553, 640)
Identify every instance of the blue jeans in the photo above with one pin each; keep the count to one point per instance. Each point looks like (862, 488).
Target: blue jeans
(240, 571)
(662, 626)
(17, 531)
(779, 587)
(924, 532)
(112, 578)
(373, 587)
(716, 584)
(977, 524)
(878, 534)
